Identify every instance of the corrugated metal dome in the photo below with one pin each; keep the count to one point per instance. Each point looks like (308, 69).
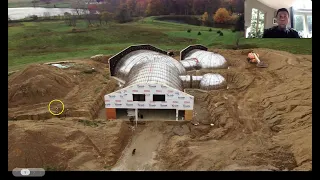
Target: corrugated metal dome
(134, 58)
(191, 64)
(156, 70)
(207, 59)
(212, 81)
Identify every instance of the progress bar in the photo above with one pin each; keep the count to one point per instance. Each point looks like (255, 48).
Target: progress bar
(28, 172)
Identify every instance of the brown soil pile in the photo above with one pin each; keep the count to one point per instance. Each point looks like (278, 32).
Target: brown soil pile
(89, 82)
(65, 145)
(262, 122)
(38, 84)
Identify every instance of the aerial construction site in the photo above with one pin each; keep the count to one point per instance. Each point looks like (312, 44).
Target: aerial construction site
(148, 109)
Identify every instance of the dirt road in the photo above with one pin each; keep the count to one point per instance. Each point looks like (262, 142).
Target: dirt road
(146, 141)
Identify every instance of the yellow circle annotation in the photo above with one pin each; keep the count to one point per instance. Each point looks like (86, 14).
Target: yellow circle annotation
(56, 100)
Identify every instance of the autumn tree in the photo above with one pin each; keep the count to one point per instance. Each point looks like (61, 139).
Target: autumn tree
(123, 14)
(212, 6)
(204, 17)
(131, 4)
(141, 6)
(150, 8)
(155, 7)
(221, 16)
(106, 16)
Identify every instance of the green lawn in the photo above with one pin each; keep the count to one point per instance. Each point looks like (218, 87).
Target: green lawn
(36, 42)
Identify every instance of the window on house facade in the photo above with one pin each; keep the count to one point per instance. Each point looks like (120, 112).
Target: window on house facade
(159, 97)
(139, 97)
(257, 24)
(302, 21)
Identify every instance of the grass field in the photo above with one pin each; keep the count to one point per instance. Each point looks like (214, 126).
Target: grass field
(35, 42)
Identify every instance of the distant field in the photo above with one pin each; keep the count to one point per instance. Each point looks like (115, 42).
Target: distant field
(27, 3)
(35, 42)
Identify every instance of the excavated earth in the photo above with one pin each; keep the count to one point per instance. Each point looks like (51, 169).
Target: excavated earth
(262, 121)
(79, 87)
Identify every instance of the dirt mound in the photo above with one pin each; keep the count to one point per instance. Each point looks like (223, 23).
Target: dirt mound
(101, 58)
(81, 86)
(78, 145)
(37, 84)
(262, 122)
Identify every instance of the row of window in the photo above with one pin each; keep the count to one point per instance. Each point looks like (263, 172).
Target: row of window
(142, 97)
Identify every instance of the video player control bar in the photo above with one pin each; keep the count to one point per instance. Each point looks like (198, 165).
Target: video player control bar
(28, 172)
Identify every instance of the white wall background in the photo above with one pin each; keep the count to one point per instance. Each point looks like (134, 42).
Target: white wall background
(123, 98)
(277, 4)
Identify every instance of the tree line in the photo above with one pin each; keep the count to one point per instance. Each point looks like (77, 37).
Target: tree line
(122, 11)
(165, 7)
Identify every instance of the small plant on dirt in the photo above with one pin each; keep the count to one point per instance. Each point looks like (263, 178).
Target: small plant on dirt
(50, 168)
(199, 33)
(98, 89)
(12, 72)
(107, 167)
(89, 123)
(210, 30)
(221, 34)
(189, 30)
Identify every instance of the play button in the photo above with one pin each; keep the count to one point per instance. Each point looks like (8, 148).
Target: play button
(25, 172)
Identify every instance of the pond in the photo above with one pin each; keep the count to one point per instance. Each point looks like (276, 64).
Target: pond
(20, 13)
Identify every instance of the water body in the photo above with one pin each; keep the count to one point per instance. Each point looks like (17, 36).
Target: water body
(20, 13)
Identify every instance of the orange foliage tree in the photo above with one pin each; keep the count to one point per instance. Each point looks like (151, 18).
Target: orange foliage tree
(204, 17)
(221, 16)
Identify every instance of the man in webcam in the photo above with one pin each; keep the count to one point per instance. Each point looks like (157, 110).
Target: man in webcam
(281, 31)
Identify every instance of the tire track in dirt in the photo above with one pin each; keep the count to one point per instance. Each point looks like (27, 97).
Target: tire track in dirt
(146, 141)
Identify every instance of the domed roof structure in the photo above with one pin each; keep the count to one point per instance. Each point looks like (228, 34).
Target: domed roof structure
(208, 60)
(212, 82)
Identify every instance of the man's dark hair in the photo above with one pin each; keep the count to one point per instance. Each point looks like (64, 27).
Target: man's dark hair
(281, 10)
